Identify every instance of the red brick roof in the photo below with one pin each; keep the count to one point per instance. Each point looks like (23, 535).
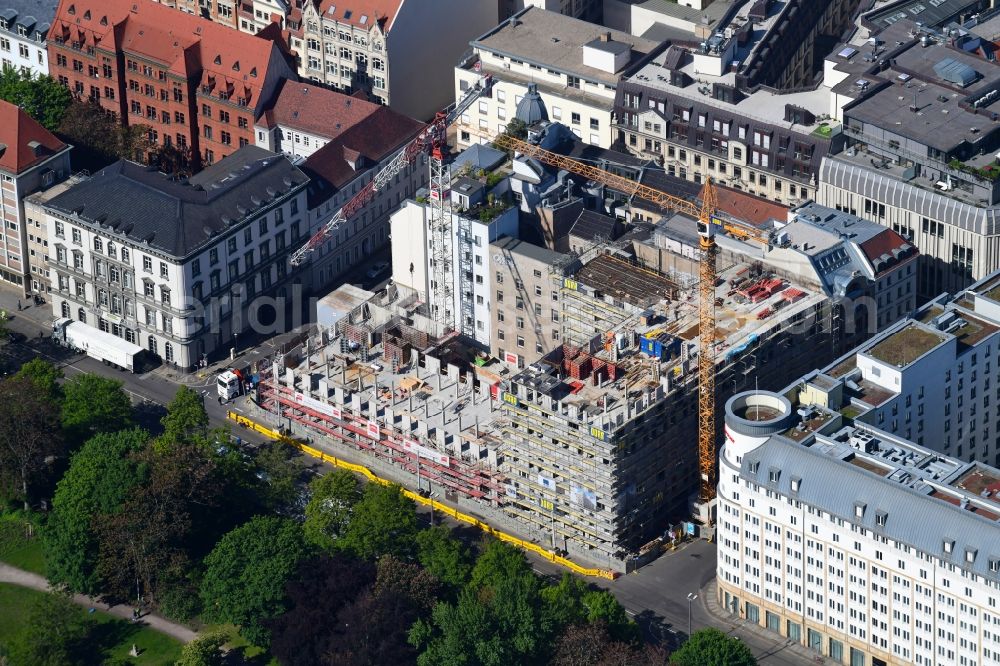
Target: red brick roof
(373, 139)
(17, 130)
(351, 12)
(316, 110)
(748, 207)
(177, 40)
(886, 250)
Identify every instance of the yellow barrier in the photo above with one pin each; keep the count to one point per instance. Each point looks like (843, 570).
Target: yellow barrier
(426, 501)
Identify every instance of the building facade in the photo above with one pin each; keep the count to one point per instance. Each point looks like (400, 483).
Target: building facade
(32, 159)
(201, 93)
(861, 545)
(24, 28)
(180, 268)
(381, 47)
(530, 49)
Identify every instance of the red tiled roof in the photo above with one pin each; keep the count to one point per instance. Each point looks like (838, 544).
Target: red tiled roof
(316, 110)
(374, 138)
(889, 244)
(748, 207)
(17, 130)
(176, 39)
(382, 11)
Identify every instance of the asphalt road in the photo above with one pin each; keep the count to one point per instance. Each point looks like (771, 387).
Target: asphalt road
(656, 595)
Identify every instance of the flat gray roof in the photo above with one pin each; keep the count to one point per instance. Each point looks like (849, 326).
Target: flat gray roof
(556, 42)
(529, 250)
(930, 14)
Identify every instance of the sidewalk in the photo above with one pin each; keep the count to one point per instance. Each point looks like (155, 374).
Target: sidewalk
(741, 628)
(9, 574)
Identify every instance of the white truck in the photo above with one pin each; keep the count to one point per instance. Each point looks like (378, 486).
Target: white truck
(229, 384)
(95, 343)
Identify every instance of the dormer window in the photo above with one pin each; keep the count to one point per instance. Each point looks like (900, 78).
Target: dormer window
(796, 482)
(880, 518)
(970, 555)
(994, 565)
(773, 474)
(948, 546)
(859, 509)
(754, 466)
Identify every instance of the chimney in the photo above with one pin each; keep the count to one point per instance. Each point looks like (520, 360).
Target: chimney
(36, 148)
(3, 148)
(606, 36)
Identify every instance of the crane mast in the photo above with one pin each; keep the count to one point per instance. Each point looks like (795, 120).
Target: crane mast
(707, 226)
(431, 140)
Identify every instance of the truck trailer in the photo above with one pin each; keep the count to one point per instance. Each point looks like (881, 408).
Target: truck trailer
(95, 343)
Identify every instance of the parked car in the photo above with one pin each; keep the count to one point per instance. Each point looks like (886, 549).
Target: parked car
(377, 270)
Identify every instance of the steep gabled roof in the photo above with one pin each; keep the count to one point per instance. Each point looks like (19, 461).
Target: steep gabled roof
(365, 144)
(26, 141)
(316, 110)
(360, 13)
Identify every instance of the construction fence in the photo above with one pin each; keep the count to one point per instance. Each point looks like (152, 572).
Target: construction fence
(416, 497)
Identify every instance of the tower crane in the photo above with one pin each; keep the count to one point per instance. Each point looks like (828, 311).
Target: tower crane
(708, 223)
(431, 140)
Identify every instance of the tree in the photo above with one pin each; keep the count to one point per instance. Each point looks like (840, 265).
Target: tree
(329, 509)
(99, 137)
(279, 489)
(56, 633)
(29, 434)
(42, 97)
(499, 561)
(170, 520)
(517, 129)
(711, 647)
(98, 480)
(186, 417)
(564, 601)
(246, 573)
(203, 651)
(94, 404)
(487, 627)
(601, 606)
(444, 556)
(410, 581)
(45, 377)
(383, 522)
(592, 645)
(325, 585)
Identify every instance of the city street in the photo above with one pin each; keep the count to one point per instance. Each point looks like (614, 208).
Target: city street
(656, 595)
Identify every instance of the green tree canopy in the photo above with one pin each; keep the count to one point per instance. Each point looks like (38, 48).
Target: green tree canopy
(711, 647)
(203, 651)
(45, 376)
(56, 633)
(29, 434)
(499, 561)
(42, 97)
(444, 556)
(98, 136)
(330, 505)
(563, 602)
(246, 573)
(98, 480)
(602, 606)
(278, 475)
(186, 417)
(383, 522)
(94, 404)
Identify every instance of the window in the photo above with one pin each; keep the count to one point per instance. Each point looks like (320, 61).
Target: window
(77, 238)
(575, 118)
(163, 270)
(98, 245)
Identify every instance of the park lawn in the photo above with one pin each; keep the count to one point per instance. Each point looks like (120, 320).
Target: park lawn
(17, 548)
(114, 637)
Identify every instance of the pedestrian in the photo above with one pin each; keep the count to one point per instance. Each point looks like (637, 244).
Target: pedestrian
(220, 399)
(19, 305)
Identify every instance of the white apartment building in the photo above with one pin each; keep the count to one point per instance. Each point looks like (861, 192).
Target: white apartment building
(859, 544)
(471, 285)
(181, 268)
(574, 65)
(24, 26)
(399, 52)
(32, 159)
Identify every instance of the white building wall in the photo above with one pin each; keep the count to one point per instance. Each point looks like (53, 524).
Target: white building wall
(409, 233)
(23, 52)
(589, 118)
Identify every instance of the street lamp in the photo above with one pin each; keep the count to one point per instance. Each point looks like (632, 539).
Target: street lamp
(691, 597)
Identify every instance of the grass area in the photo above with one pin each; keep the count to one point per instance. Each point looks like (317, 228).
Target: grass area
(824, 130)
(904, 346)
(850, 412)
(21, 542)
(111, 637)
